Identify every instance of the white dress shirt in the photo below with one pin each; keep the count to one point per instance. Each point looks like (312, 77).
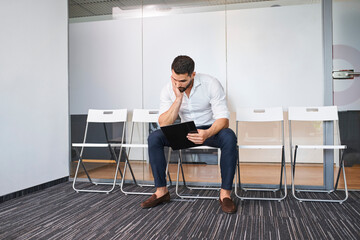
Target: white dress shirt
(205, 104)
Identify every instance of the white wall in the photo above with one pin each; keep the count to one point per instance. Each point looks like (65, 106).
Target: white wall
(275, 57)
(263, 57)
(105, 65)
(199, 35)
(34, 129)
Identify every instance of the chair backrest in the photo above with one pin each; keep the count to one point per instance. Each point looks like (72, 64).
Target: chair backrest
(262, 115)
(328, 113)
(259, 114)
(321, 114)
(145, 115)
(107, 116)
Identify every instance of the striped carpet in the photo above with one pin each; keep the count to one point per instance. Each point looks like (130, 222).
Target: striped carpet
(60, 213)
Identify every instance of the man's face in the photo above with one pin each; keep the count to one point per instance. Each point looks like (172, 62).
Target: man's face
(182, 81)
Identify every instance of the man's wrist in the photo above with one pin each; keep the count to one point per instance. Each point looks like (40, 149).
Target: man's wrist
(208, 133)
(178, 99)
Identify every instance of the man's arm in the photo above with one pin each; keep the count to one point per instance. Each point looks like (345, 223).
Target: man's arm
(171, 115)
(202, 135)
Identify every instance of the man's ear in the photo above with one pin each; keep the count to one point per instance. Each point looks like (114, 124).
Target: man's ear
(193, 74)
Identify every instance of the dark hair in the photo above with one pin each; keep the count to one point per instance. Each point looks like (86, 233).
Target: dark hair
(183, 64)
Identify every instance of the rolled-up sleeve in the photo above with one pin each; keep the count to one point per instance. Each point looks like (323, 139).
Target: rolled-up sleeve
(165, 99)
(218, 101)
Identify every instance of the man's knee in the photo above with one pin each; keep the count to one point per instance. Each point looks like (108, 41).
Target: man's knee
(156, 139)
(228, 137)
(228, 147)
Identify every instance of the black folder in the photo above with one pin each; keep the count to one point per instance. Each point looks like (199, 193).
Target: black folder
(176, 134)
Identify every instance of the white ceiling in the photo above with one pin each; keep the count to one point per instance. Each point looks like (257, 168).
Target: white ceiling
(91, 8)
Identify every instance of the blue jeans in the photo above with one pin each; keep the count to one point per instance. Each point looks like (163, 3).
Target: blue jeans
(225, 140)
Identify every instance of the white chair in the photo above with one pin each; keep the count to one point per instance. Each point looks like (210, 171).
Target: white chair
(140, 116)
(265, 116)
(104, 117)
(322, 114)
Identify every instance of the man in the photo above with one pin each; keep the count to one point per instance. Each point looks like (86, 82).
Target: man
(199, 98)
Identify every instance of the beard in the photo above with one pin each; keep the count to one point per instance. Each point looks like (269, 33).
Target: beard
(183, 89)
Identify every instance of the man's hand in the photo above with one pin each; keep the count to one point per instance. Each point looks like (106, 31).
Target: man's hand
(179, 95)
(171, 114)
(200, 137)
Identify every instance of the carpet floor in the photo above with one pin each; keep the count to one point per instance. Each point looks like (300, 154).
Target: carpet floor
(59, 212)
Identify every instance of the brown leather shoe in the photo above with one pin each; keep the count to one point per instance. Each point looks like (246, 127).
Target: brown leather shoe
(227, 205)
(153, 201)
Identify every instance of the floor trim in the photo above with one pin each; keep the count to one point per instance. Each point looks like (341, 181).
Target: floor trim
(32, 189)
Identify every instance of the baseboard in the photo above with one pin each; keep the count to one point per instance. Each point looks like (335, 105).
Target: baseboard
(32, 189)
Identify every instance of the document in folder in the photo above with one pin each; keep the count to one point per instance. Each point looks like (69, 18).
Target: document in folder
(176, 134)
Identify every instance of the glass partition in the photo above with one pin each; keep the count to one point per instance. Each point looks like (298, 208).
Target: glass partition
(121, 51)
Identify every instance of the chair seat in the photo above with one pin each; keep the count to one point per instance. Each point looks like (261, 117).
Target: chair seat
(321, 146)
(203, 147)
(97, 145)
(135, 145)
(260, 146)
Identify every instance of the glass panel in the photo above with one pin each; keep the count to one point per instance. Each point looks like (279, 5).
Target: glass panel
(346, 56)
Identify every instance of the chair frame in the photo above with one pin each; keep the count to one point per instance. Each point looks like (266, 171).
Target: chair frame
(141, 116)
(274, 114)
(101, 116)
(180, 167)
(323, 114)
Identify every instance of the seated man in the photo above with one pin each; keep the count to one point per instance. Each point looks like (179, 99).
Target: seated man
(199, 98)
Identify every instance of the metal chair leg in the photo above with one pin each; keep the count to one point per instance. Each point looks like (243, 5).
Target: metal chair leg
(341, 166)
(115, 158)
(95, 183)
(82, 164)
(182, 170)
(283, 171)
(191, 188)
(237, 179)
(320, 191)
(127, 163)
(282, 167)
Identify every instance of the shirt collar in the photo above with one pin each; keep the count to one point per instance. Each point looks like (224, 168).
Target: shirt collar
(196, 81)
(196, 84)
